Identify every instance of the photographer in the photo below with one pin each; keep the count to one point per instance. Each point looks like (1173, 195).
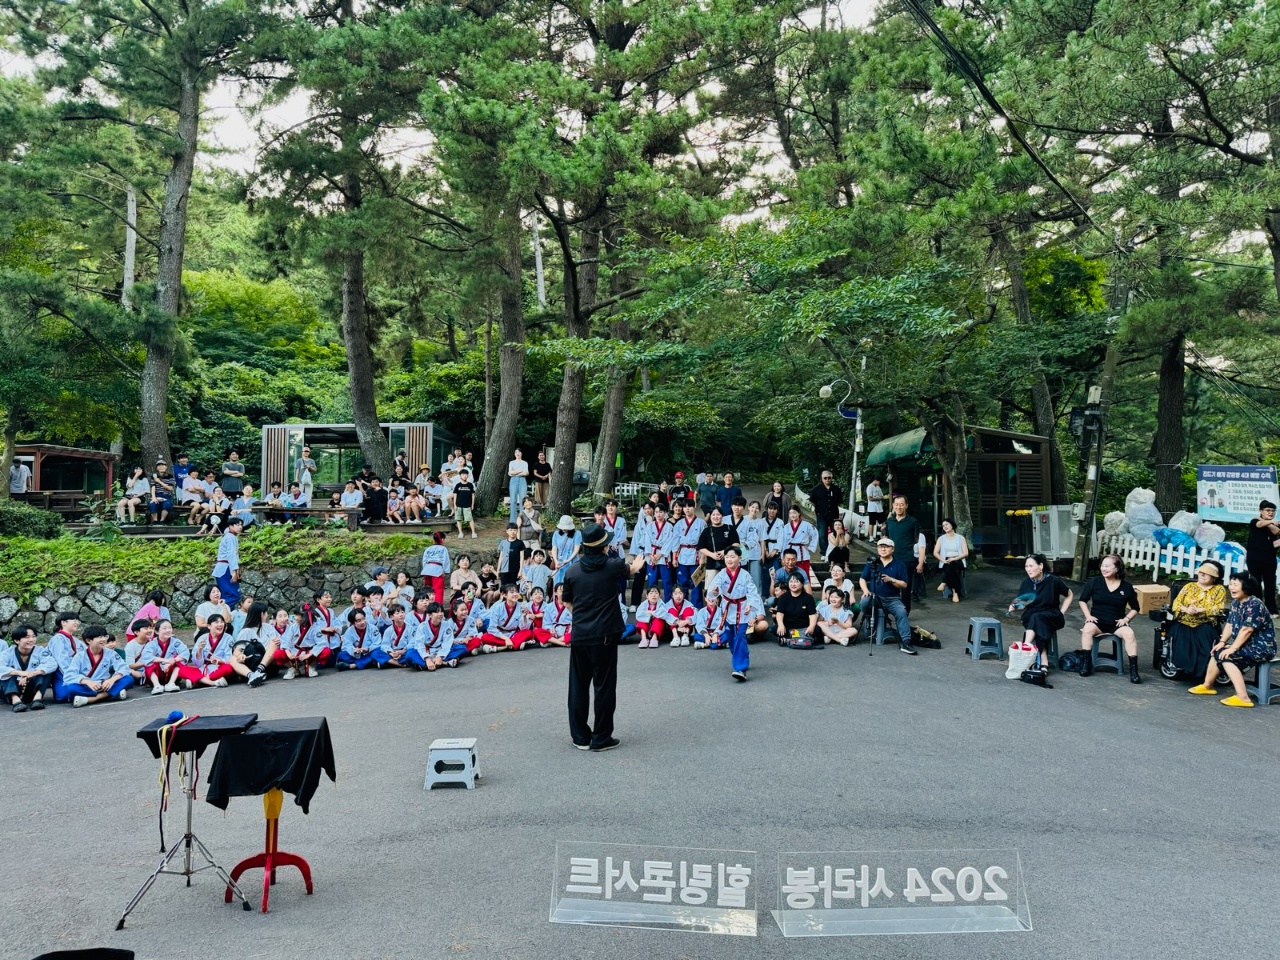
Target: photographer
(882, 582)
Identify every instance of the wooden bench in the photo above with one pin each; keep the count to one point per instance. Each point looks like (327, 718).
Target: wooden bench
(67, 503)
(353, 513)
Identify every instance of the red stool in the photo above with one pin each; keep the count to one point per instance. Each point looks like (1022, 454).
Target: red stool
(272, 857)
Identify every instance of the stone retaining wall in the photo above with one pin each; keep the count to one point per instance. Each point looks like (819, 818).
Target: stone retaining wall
(112, 604)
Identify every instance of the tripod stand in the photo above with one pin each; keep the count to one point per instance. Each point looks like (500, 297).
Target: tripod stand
(188, 846)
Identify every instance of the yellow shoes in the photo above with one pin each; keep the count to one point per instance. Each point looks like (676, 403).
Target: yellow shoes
(1234, 701)
(1201, 689)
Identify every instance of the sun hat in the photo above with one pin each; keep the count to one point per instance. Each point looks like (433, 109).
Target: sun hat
(595, 536)
(566, 523)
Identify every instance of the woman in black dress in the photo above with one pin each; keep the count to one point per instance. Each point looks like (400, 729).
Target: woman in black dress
(1049, 598)
(1109, 604)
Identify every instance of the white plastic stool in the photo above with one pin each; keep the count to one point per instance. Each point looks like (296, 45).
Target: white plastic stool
(452, 761)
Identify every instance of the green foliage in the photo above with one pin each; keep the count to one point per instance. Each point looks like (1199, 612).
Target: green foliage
(28, 566)
(18, 519)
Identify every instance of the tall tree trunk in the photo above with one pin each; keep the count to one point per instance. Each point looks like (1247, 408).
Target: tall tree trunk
(1166, 447)
(172, 249)
(355, 334)
(605, 472)
(6, 451)
(1042, 401)
(947, 431)
(581, 282)
(502, 439)
(130, 246)
(488, 373)
(1271, 219)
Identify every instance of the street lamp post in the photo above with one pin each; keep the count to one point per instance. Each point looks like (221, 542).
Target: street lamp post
(825, 393)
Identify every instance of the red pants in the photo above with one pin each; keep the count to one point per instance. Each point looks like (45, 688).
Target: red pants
(436, 586)
(224, 670)
(323, 657)
(808, 570)
(496, 641)
(656, 629)
(537, 634)
(178, 671)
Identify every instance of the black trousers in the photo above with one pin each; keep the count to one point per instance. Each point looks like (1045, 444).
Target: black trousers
(1263, 569)
(592, 667)
(9, 687)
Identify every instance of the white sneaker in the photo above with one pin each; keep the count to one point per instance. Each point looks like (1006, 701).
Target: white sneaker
(79, 701)
(122, 695)
(488, 648)
(289, 674)
(312, 672)
(699, 646)
(843, 641)
(220, 682)
(156, 691)
(473, 536)
(172, 686)
(459, 536)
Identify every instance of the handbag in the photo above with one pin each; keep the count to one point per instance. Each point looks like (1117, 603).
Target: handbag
(798, 640)
(1022, 656)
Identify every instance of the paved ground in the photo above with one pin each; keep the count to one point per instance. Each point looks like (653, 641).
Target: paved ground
(1143, 815)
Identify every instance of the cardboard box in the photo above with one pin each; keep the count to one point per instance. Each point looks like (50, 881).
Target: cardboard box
(1151, 596)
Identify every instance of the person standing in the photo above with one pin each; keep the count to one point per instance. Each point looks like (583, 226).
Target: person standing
(679, 491)
(517, 483)
(304, 473)
(726, 494)
(19, 477)
(541, 478)
(904, 531)
(707, 490)
(737, 591)
(1260, 551)
(875, 508)
(826, 498)
(232, 475)
(227, 568)
(591, 594)
(464, 499)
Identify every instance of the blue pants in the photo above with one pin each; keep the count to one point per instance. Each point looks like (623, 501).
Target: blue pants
(736, 634)
(359, 663)
(60, 692)
(517, 487)
(80, 690)
(662, 570)
(898, 610)
(715, 645)
(684, 577)
(456, 652)
(230, 589)
(411, 658)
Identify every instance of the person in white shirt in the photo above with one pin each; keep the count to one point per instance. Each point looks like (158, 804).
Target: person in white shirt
(19, 477)
(875, 508)
(137, 491)
(518, 483)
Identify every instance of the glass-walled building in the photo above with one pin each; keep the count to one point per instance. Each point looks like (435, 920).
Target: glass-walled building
(336, 450)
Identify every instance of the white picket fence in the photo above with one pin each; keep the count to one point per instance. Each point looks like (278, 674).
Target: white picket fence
(640, 491)
(1178, 561)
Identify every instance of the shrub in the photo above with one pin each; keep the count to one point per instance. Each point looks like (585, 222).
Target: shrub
(18, 519)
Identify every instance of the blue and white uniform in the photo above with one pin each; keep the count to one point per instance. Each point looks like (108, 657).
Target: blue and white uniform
(108, 665)
(228, 562)
(407, 640)
(801, 537)
(557, 619)
(63, 647)
(562, 546)
(707, 624)
(656, 542)
(367, 639)
(685, 549)
(738, 597)
(176, 650)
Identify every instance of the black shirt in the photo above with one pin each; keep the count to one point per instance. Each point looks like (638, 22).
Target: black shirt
(591, 586)
(464, 494)
(541, 472)
(826, 501)
(796, 611)
(1259, 541)
(716, 539)
(1049, 593)
(904, 533)
(1108, 604)
(679, 492)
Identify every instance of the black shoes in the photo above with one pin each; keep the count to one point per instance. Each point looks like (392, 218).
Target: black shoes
(739, 676)
(607, 745)
(1086, 663)
(1133, 670)
(908, 649)
(37, 704)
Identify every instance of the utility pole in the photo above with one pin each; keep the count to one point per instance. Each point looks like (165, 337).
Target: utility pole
(857, 447)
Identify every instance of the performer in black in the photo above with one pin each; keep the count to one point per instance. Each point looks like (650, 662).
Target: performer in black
(1260, 551)
(591, 592)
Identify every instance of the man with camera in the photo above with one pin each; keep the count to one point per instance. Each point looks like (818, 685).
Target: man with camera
(883, 582)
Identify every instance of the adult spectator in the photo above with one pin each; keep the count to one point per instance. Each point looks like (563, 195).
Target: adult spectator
(875, 508)
(726, 493)
(364, 479)
(464, 499)
(541, 479)
(1109, 604)
(904, 531)
(137, 493)
(232, 474)
(1260, 551)
(375, 502)
(707, 492)
(402, 461)
(182, 469)
(19, 477)
(304, 473)
(838, 544)
(788, 567)
(242, 506)
(884, 581)
(1248, 639)
(826, 499)
(679, 490)
(1045, 600)
(566, 545)
(950, 550)
(192, 494)
(517, 483)
(796, 612)
(591, 593)
(839, 581)
(423, 478)
(778, 498)
(162, 487)
(1198, 609)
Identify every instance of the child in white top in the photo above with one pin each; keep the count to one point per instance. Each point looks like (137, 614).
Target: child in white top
(835, 620)
(651, 621)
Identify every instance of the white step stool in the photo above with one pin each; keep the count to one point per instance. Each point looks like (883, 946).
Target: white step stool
(452, 761)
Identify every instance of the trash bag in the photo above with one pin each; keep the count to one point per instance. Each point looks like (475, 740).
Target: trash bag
(1114, 523)
(1137, 497)
(1143, 519)
(1209, 535)
(1184, 521)
(1169, 537)
(1229, 550)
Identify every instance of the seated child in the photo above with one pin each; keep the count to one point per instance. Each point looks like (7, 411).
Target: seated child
(535, 613)
(537, 575)
(361, 644)
(26, 670)
(558, 620)
(226, 661)
(506, 618)
(97, 672)
(835, 620)
(400, 642)
(708, 625)
(680, 615)
(375, 611)
(143, 631)
(651, 623)
(461, 635)
(166, 660)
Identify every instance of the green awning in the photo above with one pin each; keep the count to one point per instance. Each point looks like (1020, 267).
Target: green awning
(905, 446)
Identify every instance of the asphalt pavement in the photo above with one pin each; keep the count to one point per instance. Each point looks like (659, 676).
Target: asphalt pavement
(1145, 818)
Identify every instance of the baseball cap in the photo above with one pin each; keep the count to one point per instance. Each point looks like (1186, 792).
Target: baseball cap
(884, 542)
(679, 475)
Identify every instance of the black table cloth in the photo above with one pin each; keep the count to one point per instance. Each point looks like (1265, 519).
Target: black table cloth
(287, 755)
(196, 735)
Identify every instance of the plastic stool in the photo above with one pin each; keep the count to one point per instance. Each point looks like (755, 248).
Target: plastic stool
(1101, 660)
(985, 636)
(1263, 689)
(452, 761)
